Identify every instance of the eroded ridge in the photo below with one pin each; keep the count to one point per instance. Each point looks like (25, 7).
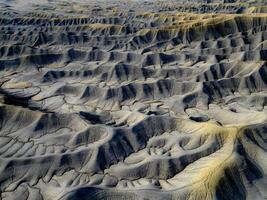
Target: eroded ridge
(136, 100)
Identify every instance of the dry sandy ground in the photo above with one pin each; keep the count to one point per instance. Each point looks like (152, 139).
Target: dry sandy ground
(133, 100)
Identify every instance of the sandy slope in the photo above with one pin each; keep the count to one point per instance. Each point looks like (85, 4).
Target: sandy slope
(133, 100)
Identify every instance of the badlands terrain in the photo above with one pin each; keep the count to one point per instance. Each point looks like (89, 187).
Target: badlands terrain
(138, 100)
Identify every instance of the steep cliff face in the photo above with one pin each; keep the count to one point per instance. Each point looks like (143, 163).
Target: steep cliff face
(133, 100)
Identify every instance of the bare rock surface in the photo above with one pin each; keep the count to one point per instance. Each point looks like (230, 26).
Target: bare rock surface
(133, 100)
